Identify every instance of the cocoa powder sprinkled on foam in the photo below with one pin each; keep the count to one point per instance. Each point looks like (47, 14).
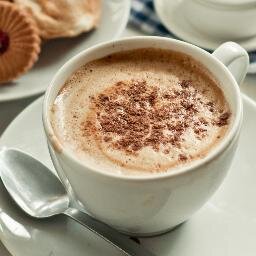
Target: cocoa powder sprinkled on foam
(133, 115)
(223, 119)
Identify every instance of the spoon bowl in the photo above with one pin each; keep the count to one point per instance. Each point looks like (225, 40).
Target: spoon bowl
(38, 192)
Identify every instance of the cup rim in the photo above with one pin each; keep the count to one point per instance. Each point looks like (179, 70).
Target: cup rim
(216, 151)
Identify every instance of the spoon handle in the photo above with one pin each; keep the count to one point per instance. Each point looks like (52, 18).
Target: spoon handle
(112, 236)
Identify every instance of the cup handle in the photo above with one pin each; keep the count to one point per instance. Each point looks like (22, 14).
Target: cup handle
(235, 58)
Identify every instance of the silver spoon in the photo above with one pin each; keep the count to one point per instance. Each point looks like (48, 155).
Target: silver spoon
(40, 194)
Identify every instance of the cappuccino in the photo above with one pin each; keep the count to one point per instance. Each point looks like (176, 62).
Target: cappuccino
(141, 111)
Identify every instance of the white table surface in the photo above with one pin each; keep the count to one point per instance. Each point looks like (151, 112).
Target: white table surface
(9, 110)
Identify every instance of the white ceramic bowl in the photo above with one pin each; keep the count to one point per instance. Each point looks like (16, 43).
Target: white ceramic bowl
(153, 203)
(227, 20)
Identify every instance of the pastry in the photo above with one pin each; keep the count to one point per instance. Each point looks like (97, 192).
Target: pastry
(63, 18)
(19, 42)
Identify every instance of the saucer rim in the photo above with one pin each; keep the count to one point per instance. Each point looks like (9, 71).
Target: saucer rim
(224, 3)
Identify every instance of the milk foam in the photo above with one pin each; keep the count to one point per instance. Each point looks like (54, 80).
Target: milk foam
(75, 105)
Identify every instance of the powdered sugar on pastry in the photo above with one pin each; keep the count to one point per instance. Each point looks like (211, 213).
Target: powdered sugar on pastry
(63, 18)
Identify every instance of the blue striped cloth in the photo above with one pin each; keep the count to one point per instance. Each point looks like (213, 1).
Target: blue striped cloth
(143, 17)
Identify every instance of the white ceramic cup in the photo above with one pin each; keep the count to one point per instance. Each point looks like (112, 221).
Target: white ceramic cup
(223, 19)
(153, 203)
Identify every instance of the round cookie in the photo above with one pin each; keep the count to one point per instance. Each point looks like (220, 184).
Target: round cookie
(19, 42)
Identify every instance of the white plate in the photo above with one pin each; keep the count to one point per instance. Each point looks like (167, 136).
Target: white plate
(171, 14)
(225, 226)
(56, 52)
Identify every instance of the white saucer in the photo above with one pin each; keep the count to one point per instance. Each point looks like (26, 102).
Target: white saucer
(174, 19)
(225, 226)
(115, 14)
